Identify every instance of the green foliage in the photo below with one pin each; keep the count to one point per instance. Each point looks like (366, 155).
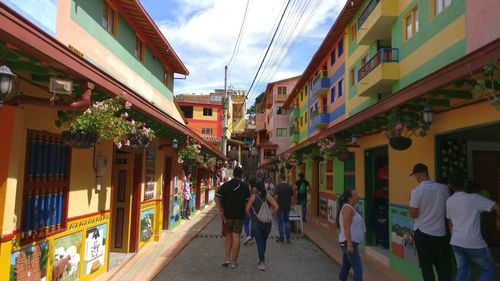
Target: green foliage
(109, 119)
(190, 153)
(405, 124)
(487, 82)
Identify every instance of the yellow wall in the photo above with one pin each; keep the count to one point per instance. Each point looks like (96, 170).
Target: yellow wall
(198, 114)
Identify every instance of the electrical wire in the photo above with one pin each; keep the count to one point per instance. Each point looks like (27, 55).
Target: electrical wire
(238, 40)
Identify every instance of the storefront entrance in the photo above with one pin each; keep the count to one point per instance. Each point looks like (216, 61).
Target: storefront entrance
(167, 190)
(474, 155)
(377, 198)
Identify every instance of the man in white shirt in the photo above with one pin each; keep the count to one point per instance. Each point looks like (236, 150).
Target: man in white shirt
(464, 211)
(427, 207)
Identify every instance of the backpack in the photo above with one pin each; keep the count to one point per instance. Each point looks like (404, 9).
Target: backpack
(302, 187)
(264, 215)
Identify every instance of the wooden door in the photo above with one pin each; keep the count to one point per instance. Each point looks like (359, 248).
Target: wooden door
(166, 191)
(122, 185)
(486, 171)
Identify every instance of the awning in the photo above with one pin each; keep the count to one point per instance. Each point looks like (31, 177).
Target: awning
(20, 32)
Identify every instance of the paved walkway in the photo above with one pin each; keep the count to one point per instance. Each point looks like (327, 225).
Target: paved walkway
(194, 250)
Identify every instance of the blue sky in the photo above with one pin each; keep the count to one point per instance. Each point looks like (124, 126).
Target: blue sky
(203, 33)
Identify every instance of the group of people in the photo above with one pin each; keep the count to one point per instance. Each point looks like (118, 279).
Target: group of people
(430, 204)
(239, 205)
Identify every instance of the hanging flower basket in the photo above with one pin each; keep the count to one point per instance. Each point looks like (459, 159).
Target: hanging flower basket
(318, 158)
(79, 139)
(344, 155)
(138, 142)
(188, 166)
(288, 166)
(400, 142)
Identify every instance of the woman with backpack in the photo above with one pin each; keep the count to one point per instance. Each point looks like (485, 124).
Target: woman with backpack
(258, 210)
(352, 231)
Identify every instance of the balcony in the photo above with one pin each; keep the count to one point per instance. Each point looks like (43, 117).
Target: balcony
(321, 84)
(294, 134)
(320, 117)
(294, 113)
(375, 21)
(378, 74)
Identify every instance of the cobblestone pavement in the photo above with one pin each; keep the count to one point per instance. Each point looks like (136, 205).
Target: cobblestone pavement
(201, 260)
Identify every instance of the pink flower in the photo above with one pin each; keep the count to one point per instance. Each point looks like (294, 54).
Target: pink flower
(118, 144)
(88, 111)
(127, 142)
(179, 160)
(128, 105)
(398, 127)
(146, 130)
(125, 114)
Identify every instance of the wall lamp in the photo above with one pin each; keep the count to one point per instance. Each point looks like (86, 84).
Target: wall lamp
(428, 115)
(174, 143)
(6, 79)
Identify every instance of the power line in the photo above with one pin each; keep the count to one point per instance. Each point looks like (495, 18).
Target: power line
(238, 40)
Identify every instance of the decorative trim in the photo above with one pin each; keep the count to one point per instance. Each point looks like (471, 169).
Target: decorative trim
(89, 215)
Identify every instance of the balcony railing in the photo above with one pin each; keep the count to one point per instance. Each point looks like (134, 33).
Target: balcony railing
(383, 55)
(293, 131)
(320, 110)
(367, 12)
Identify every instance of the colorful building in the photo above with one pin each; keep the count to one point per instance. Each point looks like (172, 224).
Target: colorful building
(404, 61)
(65, 211)
(272, 122)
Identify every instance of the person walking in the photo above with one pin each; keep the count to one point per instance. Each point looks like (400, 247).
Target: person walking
(246, 223)
(428, 207)
(230, 201)
(186, 193)
(302, 186)
(283, 195)
(352, 231)
(464, 213)
(260, 230)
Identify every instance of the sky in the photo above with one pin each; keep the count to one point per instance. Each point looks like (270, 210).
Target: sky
(203, 33)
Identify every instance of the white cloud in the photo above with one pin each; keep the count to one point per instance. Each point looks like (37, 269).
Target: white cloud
(205, 31)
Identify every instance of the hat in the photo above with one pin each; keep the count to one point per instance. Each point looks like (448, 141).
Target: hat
(419, 168)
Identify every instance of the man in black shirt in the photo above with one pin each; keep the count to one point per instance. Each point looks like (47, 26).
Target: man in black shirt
(283, 195)
(231, 200)
(302, 186)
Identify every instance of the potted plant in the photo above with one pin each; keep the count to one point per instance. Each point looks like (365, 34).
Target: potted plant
(326, 146)
(487, 82)
(340, 149)
(401, 126)
(189, 155)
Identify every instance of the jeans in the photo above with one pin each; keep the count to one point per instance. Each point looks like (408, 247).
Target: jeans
(351, 260)
(433, 251)
(481, 257)
(261, 233)
(284, 225)
(246, 226)
(187, 209)
(303, 202)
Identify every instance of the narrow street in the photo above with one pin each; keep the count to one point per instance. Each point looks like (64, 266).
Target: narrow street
(201, 260)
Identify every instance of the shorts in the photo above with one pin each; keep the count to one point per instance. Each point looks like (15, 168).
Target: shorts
(234, 225)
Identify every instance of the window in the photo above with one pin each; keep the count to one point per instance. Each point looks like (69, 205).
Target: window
(109, 18)
(281, 132)
(207, 111)
(281, 90)
(364, 60)
(281, 111)
(139, 49)
(187, 111)
(207, 131)
(353, 31)
(149, 189)
(332, 57)
(46, 186)
(325, 105)
(341, 87)
(305, 118)
(411, 23)
(352, 76)
(301, 121)
(340, 47)
(332, 94)
(301, 95)
(166, 77)
(440, 5)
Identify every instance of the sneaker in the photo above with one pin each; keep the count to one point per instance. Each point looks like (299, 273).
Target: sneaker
(226, 263)
(279, 241)
(261, 266)
(234, 265)
(288, 241)
(247, 240)
(251, 241)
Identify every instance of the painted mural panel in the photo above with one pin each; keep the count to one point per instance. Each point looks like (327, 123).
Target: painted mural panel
(323, 207)
(175, 210)
(95, 249)
(149, 188)
(30, 263)
(66, 257)
(332, 211)
(147, 220)
(403, 236)
(211, 195)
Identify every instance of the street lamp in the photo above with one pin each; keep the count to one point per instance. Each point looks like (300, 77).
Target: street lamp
(354, 140)
(6, 78)
(428, 115)
(174, 143)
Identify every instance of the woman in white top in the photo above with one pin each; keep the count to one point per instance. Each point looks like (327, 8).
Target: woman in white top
(352, 231)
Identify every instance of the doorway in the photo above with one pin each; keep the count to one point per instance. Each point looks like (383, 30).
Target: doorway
(166, 191)
(377, 198)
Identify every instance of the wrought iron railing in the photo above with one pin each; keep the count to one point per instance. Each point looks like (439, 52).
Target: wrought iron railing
(367, 12)
(382, 55)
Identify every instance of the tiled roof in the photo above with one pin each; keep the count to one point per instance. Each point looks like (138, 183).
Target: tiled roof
(192, 98)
